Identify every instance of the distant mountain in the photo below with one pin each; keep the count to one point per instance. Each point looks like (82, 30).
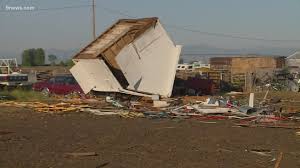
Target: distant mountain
(189, 52)
(62, 55)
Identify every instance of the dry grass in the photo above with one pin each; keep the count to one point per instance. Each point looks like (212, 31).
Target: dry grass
(25, 95)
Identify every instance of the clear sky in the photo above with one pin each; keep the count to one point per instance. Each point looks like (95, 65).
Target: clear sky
(71, 28)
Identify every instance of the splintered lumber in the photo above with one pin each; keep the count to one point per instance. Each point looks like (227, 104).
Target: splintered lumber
(56, 108)
(269, 126)
(81, 154)
(277, 164)
(131, 114)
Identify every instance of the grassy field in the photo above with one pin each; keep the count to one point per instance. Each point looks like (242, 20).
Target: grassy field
(23, 95)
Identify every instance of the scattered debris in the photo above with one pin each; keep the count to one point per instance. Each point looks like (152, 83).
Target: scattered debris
(113, 102)
(98, 111)
(103, 165)
(46, 108)
(204, 110)
(158, 103)
(5, 132)
(6, 97)
(278, 161)
(261, 152)
(131, 114)
(81, 154)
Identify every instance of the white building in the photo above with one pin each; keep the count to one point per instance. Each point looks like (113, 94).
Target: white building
(133, 56)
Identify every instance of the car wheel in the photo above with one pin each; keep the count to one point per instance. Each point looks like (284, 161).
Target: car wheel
(46, 92)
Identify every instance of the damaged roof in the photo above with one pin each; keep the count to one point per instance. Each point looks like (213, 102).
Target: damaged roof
(120, 34)
(132, 52)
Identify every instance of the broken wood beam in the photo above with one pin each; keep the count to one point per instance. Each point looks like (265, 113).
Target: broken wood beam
(81, 154)
(278, 161)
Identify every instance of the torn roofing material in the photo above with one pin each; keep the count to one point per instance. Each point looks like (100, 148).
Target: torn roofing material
(139, 55)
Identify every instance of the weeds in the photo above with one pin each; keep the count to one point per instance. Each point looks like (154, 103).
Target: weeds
(24, 95)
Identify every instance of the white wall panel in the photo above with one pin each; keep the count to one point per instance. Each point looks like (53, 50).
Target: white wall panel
(93, 74)
(153, 59)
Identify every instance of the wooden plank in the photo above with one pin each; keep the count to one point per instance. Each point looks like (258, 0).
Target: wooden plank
(81, 154)
(278, 161)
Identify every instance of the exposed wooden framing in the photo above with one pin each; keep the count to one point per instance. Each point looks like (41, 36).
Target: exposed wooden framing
(122, 41)
(101, 36)
(138, 26)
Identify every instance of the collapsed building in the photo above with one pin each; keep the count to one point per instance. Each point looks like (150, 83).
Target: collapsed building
(243, 70)
(247, 63)
(133, 56)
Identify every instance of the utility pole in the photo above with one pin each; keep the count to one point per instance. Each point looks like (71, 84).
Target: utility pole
(94, 20)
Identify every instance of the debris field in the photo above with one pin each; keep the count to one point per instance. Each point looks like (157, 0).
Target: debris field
(33, 139)
(174, 132)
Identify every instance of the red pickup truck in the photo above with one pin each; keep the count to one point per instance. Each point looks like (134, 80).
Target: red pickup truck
(60, 84)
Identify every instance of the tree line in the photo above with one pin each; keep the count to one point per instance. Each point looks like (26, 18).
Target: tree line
(37, 57)
(33, 57)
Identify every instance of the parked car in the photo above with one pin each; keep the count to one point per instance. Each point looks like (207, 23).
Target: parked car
(60, 84)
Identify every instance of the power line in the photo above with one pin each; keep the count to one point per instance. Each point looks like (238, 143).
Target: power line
(204, 32)
(181, 28)
(228, 35)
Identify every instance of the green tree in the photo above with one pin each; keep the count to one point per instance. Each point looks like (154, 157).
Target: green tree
(33, 57)
(52, 58)
(28, 57)
(39, 57)
(62, 63)
(69, 63)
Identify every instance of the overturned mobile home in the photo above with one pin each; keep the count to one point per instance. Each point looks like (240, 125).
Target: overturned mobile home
(134, 56)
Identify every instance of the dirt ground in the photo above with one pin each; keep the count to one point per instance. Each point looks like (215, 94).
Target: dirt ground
(35, 140)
